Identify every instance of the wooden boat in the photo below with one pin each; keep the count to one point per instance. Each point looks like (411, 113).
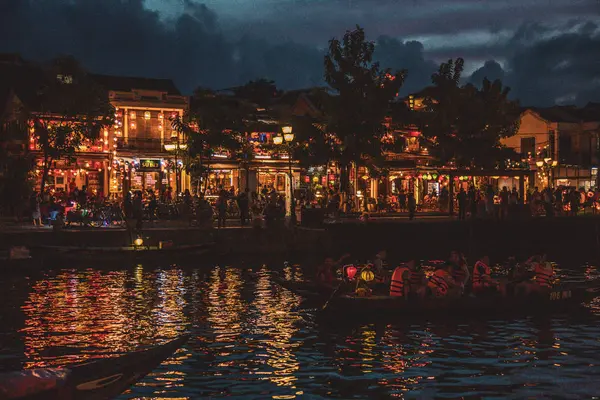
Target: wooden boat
(307, 289)
(99, 379)
(54, 254)
(561, 298)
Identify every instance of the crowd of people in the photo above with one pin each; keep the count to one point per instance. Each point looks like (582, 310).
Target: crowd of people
(453, 278)
(269, 205)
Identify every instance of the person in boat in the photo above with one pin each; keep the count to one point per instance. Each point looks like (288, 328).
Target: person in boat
(442, 284)
(417, 280)
(379, 267)
(543, 275)
(482, 278)
(400, 282)
(326, 271)
(460, 269)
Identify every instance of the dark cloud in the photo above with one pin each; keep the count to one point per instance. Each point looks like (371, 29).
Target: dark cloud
(232, 41)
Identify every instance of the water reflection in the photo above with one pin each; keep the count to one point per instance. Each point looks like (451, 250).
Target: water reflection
(252, 339)
(73, 316)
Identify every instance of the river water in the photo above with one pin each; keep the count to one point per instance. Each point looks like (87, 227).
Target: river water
(251, 339)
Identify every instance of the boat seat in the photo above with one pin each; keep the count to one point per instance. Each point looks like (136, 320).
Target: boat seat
(32, 382)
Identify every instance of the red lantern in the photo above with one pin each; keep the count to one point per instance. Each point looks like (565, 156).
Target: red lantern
(307, 179)
(350, 271)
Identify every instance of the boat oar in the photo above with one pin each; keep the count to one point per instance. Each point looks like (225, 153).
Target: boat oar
(332, 296)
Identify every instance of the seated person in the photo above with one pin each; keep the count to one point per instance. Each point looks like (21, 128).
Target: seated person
(543, 275)
(326, 271)
(442, 284)
(400, 283)
(460, 270)
(482, 278)
(417, 280)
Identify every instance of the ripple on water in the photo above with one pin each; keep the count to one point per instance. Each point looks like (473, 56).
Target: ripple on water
(252, 339)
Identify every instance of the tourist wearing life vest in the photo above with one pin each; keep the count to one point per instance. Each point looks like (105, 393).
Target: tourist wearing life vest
(482, 277)
(544, 274)
(399, 285)
(416, 280)
(442, 284)
(460, 269)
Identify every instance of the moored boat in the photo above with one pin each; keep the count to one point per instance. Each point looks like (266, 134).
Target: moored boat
(98, 379)
(54, 254)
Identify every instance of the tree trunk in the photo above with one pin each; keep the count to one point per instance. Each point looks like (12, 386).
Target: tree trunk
(207, 175)
(45, 171)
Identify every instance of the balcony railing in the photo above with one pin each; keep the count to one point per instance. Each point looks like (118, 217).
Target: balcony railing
(140, 144)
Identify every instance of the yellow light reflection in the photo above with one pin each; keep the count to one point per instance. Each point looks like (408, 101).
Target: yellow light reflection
(79, 315)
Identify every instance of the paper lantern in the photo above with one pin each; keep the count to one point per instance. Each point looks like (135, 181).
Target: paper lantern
(350, 271)
(367, 275)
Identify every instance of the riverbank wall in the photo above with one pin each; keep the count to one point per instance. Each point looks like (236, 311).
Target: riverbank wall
(563, 239)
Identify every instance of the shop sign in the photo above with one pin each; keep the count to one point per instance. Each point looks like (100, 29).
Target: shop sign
(149, 165)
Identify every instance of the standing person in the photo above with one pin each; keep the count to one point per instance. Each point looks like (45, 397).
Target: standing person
(504, 203)
(489, 201)
(34, 204)
(473, 201)
(128, 205)
(412, 206)
(462, 204)
(243, 201)
(138, 210)
(221, 209)
(402, 200)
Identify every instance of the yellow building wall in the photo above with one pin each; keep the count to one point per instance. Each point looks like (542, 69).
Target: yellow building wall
(531, 126)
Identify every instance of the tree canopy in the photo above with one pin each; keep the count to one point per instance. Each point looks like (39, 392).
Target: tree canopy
(73, 108)
(364, 94)
(464, 124)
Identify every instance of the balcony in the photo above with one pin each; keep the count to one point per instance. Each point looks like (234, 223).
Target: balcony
(140, 144)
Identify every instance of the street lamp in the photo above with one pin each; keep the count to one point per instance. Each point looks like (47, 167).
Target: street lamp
(288, 137)
(546, 166)
(175, 147)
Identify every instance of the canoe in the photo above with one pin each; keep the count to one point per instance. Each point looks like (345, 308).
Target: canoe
(98, 379)
(559, 299)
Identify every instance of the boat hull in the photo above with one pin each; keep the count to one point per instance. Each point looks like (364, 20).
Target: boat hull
(99, 379)
(556, 300)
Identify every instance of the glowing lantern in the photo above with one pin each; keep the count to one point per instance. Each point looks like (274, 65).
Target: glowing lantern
(138, 242)
(147, 115)
(350, 271)
(367, 275)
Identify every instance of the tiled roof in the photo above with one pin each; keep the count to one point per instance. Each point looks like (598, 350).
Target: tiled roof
(127, 84)
(572, 114)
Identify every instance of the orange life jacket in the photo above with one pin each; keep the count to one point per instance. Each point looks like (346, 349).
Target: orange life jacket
(438, 283)
(398, 283)
(481, 279)
(543, 274)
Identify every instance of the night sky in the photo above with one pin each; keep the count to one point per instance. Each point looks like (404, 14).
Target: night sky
(548, 51)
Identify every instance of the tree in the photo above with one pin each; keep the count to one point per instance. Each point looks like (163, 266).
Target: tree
(464, 124)
(364, 94)
(15, 168)
(259, 92)
(213, 124)
(73, 109)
